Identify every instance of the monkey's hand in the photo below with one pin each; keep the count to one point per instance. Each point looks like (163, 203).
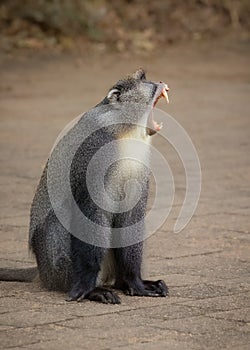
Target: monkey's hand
(146, 288)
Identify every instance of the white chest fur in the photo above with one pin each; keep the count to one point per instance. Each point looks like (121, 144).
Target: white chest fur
(134, 149)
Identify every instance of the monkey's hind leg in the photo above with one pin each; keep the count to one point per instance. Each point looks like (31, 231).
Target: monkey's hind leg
(87, 261)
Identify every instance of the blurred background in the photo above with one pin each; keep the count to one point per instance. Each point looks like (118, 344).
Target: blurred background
(121, 25)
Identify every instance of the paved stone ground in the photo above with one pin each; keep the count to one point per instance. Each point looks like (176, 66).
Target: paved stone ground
(206, 266)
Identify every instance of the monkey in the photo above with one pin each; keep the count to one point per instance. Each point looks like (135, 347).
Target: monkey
(76, 263)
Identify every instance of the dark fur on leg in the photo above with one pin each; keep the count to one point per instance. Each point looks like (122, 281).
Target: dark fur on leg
(128, 276)
(86, 266)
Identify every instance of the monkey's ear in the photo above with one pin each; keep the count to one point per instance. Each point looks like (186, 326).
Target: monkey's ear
(113, 95)
(140, 74)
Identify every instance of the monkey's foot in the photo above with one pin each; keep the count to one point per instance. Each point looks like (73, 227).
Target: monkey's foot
(77, 292)
(146, 288)
(158, 287)
(102, 295)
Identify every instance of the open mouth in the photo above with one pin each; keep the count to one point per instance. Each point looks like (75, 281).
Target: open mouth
(153, 126)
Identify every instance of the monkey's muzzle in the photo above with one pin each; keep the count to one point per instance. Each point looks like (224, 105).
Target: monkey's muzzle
(161, 91)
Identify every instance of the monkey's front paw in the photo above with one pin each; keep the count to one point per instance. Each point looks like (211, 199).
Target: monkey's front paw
(77, 293)
(158, 288)
(148, 289)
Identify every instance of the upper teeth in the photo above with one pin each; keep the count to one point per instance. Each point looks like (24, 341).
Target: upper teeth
(165, 94)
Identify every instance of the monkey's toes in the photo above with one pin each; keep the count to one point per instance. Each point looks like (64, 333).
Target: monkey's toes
(104, 295)
(159, 288)
(77, 293)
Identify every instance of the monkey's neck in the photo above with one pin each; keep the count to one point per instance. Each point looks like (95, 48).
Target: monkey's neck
(135, 146)
(138, 132)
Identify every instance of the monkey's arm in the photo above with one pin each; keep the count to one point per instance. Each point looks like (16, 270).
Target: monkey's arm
(128, 274)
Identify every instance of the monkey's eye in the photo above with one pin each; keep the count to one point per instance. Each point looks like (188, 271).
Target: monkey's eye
(113, 95)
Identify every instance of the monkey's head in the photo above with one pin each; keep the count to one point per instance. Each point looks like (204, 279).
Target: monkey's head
(135, 97)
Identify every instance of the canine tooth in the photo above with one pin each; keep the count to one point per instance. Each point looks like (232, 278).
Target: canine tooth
(165, 94)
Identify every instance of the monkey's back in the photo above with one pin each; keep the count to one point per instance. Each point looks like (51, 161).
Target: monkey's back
(49, 241)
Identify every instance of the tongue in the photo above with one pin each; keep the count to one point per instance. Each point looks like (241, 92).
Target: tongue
(157, 126)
